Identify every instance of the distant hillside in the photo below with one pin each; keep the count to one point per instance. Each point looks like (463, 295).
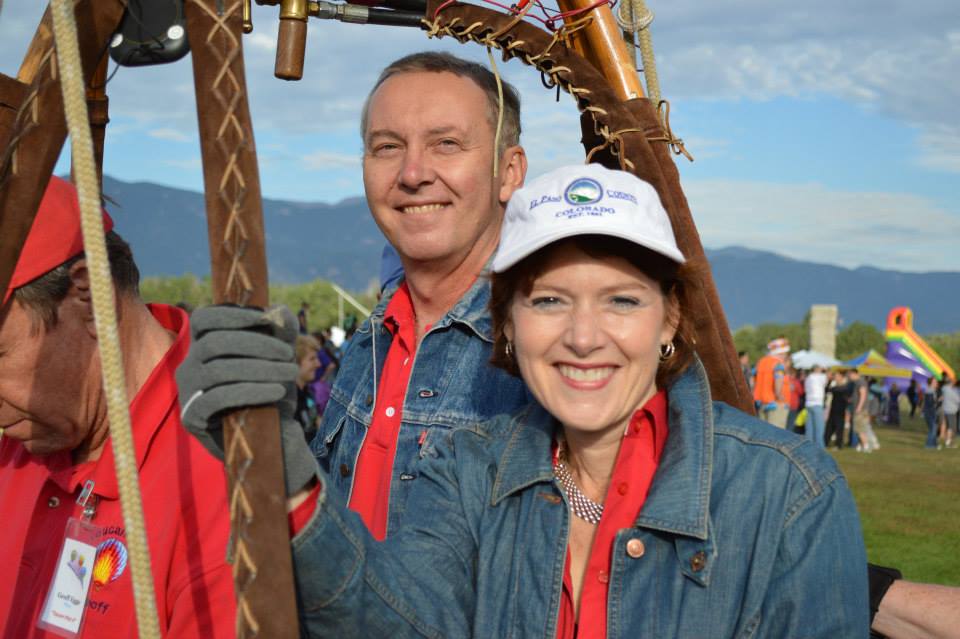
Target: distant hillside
(756, 286)
(168, 232)
(340, 242)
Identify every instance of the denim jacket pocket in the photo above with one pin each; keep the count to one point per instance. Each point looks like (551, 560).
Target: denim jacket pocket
(323, 442)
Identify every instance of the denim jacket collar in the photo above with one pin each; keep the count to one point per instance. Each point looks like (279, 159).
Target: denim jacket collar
(679, 501)
(470, 310)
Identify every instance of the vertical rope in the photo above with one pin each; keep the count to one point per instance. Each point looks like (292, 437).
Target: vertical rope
(635, 17)
(108, 338)
(496, 136)
(646, 53)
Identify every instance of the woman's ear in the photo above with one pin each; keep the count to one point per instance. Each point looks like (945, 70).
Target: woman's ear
(508, 331)
(671, 318)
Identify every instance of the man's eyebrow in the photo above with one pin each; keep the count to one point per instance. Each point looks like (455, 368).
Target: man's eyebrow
(382, 133)
(442, 130)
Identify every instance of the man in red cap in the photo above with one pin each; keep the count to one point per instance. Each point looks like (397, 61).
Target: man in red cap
(66, 569)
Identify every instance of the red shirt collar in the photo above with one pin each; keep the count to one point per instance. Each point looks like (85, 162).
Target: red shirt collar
(148, 410)
(399, 311)
(654, 411)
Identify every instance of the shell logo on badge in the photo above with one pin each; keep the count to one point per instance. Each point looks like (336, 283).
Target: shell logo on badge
(583, 191)
(110, 563)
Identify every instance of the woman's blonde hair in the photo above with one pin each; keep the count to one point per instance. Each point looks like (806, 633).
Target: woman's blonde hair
(304, 346)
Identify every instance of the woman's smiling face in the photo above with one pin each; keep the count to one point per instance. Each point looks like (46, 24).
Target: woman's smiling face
(587, 338)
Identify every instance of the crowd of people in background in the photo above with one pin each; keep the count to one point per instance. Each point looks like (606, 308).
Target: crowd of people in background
(839, 407)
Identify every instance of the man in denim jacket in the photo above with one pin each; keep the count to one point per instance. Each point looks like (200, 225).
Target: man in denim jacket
(418, 367)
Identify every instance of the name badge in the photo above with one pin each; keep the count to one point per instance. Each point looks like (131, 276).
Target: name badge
(66, 601)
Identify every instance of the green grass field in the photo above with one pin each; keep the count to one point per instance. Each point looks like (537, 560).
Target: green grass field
(909, 501)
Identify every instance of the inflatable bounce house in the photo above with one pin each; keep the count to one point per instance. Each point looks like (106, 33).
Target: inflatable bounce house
(906, 349)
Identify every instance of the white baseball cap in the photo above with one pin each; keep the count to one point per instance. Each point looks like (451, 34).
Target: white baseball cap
(583, 200)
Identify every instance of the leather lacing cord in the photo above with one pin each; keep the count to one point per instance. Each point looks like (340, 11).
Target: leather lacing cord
(558, 74)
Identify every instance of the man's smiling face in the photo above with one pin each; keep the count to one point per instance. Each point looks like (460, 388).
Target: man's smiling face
(428, 167)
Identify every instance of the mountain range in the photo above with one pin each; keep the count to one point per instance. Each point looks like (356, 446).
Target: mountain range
(340, 242)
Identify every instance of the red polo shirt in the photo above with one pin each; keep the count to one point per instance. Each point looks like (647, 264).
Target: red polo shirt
(633, 472)
(185, 509)
(370, 494)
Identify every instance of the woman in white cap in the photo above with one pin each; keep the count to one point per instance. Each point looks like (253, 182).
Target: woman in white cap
(623, 502)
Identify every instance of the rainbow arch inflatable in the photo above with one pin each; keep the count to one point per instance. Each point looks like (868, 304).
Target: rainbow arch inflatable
(906, 349)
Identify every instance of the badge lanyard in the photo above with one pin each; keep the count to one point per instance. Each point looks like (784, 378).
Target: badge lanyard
(66, 600)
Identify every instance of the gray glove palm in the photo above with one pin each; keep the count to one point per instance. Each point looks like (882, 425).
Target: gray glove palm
(243, 357)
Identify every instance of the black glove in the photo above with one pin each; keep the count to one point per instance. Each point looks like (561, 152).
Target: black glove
(244, 357)
(881, 579)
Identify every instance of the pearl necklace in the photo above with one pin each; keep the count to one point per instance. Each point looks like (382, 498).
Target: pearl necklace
(581, 505)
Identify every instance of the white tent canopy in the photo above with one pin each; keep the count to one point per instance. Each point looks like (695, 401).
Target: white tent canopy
(803, 360)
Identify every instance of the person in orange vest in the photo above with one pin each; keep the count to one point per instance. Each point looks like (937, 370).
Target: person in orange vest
(770, 390)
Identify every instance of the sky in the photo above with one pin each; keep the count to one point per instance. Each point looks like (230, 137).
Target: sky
(824, 131)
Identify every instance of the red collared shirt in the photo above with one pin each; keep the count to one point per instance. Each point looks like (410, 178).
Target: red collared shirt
(633, 472)
(370, 495)
(185, 509)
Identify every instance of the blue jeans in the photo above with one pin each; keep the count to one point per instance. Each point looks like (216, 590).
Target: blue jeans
(931, 429)
(815, 425)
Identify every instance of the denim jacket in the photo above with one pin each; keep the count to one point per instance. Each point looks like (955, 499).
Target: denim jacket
(747, 531)
(452, 386)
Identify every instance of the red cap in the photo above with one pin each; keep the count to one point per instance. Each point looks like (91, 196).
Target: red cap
(55, 236)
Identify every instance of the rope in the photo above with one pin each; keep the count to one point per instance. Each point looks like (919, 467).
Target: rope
(496, 136)
(88, 188)
(611, 140)
(634, 16)
(676, 144)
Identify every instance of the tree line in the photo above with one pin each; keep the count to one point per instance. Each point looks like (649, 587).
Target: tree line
(852, 340)
(194, 291)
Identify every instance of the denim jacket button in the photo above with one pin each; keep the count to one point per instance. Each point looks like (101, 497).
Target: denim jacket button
(698, 561)
(344, 470)
(635, 548)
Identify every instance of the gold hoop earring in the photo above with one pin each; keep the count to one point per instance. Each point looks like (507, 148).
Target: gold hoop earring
(667, 350)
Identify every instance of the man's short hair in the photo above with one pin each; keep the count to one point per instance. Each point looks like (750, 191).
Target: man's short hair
(43, 295)
(439, 62)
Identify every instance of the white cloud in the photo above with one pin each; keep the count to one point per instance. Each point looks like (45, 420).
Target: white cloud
(260, 40)
(189, 164)
(899, 231)
(172, 135)
(325, 160)
(703, 148)
(940, 149)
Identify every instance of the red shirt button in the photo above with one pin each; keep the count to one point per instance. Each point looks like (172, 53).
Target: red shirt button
(603, 577)
(623, 488)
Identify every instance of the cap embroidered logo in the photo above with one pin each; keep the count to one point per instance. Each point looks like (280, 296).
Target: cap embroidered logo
(583, 191)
